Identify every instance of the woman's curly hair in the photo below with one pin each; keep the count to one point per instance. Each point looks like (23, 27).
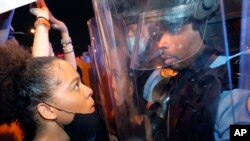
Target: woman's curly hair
(12, 108)
(11, 60)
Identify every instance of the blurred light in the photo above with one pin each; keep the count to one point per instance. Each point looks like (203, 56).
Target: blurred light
(32, 30)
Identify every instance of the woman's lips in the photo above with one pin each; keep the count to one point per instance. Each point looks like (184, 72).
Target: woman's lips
(92, 108)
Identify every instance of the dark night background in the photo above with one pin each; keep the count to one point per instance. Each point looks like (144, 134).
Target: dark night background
(74, 13)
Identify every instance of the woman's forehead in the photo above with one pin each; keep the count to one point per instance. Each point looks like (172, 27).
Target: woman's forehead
(61, 65)
(64, 65)
(64, 72)
(63, 69)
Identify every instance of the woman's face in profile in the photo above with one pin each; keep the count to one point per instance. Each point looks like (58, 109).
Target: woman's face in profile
(120, 78)
(70, 94)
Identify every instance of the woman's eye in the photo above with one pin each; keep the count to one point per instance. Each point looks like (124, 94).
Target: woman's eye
(117, 77)
(77, 85)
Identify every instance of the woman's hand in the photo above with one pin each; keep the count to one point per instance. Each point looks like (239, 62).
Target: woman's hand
(41, 10)
(58, 25)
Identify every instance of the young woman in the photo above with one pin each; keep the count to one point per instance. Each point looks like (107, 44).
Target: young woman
(61, 105)
(49, 93)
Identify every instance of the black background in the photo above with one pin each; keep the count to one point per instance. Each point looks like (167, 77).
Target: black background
(74, 13)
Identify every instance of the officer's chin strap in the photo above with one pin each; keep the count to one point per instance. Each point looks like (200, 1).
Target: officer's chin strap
(221, 60)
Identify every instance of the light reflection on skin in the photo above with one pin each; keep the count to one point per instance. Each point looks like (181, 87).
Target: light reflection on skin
(179, 48)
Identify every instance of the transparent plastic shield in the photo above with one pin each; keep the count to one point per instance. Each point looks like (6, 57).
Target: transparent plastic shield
(240, 96)
(206, 43)
(113, 27)
(244, 79)
(103, 77)
(167, 37)
(234, 103)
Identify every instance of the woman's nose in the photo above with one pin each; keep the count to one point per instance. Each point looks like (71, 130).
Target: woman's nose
(88, 92)
(113, 82)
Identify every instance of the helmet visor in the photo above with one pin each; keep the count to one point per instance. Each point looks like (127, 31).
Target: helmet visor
(166, 37)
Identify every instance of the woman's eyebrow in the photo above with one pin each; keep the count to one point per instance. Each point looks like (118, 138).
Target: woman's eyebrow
(74, 80)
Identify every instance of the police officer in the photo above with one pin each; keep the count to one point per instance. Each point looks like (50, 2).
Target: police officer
(186, 36)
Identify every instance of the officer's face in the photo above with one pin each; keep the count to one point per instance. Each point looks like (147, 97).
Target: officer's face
(178, 49)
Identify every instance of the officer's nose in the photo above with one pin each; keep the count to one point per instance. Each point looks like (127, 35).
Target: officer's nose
(164, 41)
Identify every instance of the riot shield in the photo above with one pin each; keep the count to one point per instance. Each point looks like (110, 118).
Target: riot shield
(190, 46)
(207, 60)
(105, 98)
(113, 25)
(234, 105)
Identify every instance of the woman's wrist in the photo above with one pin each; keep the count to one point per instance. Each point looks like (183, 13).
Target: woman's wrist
(68, 49)
(67, 45)
(42, 21)
(66, 41)
(65, 36)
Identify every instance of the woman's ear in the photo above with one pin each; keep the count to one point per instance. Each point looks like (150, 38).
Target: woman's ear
(46, 111)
